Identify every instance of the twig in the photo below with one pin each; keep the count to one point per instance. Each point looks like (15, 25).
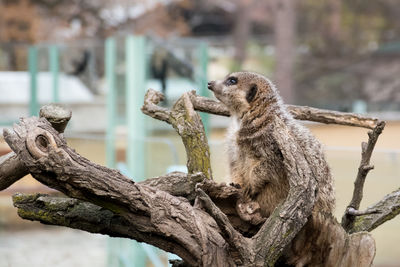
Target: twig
(299, 112)
(354, 212)
(364, 168)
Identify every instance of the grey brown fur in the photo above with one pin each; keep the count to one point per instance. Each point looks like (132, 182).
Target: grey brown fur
(257, 164)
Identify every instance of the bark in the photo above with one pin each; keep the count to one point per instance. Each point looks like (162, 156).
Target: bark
(160, 211)
(11, 168)
(188, 125)
(163, 220)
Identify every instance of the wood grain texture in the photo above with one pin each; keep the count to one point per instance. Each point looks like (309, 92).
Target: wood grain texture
(202, 226)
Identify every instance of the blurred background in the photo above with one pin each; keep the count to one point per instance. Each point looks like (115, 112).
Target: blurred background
(98, 57)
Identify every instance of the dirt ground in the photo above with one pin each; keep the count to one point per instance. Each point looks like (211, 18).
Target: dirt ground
(52, 246)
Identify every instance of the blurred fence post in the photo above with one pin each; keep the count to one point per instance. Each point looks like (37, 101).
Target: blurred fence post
(135, 90)
(54, 69)
(135, 75)
(110, 56)
(203, 79)
(32, 65)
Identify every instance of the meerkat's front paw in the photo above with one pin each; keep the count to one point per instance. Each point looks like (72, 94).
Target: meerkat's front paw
(235, 185)
(249, 211)
(249, 192)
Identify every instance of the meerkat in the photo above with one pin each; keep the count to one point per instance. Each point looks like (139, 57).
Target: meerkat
(256, 162)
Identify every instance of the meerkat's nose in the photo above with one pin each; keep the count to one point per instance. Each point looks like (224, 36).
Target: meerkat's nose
(210, 85)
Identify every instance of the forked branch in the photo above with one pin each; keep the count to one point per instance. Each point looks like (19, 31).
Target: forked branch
(363, 170)
(188, 125)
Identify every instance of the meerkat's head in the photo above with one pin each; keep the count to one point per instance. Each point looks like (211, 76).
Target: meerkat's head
(239, 91)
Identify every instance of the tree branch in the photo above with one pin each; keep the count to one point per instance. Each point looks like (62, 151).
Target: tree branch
(188, 125)
(331, 117)
(235, 240)
(11, 168)
(388, 207)
(288, 218)
(364, 168)
(299, 112)
(166, 221)
(158, 210)
(71, 212)
(150, 107)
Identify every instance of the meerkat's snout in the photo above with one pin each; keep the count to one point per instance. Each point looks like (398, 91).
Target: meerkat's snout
(210, 85)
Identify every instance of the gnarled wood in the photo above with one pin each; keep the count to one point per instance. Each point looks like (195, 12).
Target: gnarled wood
(174, 224)
(187, 124)
(159, 211)
(11, 168)
(348, 250)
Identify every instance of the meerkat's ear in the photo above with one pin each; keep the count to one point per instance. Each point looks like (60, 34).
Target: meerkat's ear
(251, 93)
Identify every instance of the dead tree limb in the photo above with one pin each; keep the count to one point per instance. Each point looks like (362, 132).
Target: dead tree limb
(299, 112)
(159, 211)
(11, 168)
(366, 152)
(166, 221)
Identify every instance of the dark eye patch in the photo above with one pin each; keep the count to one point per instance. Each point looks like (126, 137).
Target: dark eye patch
(251, 94)
(231, 81)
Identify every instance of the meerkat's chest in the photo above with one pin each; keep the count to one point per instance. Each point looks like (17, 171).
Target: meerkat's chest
(231, 140)
(250, 160)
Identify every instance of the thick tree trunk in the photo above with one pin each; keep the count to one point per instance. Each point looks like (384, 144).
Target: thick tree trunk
(285, 47)
(242, 31)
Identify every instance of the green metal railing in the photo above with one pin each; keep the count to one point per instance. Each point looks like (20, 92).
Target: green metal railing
(129, 253)
(135, 90)
(203, 80)
(110, 59)
(54, 70)
(32, 66)
(53, 52)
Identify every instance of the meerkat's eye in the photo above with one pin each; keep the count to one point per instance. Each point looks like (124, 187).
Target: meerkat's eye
(231, 81)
